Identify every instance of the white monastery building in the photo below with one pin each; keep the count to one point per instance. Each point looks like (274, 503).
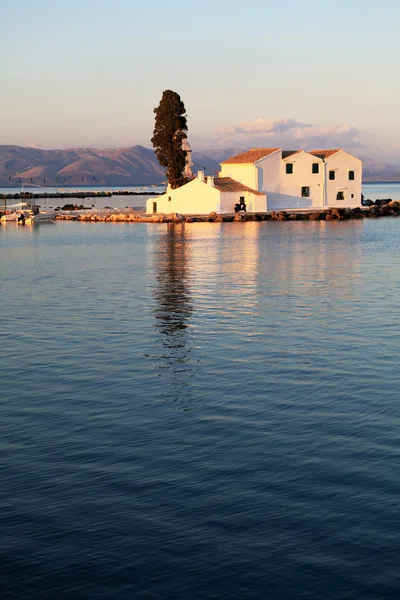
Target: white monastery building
(203, 195)
(270, 179)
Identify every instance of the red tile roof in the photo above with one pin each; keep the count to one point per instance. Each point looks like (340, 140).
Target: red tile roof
(251, 156)
(324, 154)
(287, 153)
(227, 184)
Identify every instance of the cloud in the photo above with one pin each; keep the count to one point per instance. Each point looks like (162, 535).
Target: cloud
(265, 126)
(34, 145)
(285, 133)
(321, 137)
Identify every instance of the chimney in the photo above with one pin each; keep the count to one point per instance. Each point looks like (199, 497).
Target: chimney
(210, 181)
(200, 175)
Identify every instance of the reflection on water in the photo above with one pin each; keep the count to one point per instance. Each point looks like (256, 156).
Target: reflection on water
(304, 265)
(173, 308)
(174, 304)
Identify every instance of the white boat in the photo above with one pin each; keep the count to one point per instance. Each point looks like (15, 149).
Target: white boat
(10, 217)
(13, 211)
(40, 218)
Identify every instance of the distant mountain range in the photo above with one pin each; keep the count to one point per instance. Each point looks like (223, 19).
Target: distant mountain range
(135, 165)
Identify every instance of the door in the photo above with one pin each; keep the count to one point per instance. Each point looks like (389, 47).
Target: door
(154, 207)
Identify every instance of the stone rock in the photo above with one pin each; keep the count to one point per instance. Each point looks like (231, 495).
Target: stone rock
(383, 201)
(283, 216)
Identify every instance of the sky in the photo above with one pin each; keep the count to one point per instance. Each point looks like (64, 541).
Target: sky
(296, 74)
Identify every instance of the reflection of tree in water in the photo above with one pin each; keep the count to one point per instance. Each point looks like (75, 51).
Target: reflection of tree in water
(174, 307)
(174, 304)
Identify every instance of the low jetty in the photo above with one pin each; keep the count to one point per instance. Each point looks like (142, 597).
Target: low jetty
(78, 194)
(391, 209)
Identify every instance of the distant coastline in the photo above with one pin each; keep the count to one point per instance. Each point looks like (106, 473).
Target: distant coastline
(125, 167)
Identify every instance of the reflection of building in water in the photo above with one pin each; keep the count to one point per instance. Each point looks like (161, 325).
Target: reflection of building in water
(224, 267)
(214, 268)
(312, 261)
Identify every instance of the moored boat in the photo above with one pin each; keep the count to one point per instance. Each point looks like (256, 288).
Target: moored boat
(13, 212)
(12, 216)
(40, 218)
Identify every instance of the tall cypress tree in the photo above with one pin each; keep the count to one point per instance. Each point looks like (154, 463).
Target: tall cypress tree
(169, 132)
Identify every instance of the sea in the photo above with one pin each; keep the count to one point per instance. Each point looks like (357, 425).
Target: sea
(372, 191)
(200, 411)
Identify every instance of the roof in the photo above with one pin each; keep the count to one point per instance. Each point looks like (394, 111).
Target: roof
(324, 154)
(287, 153)
(251, 156)
(227, 184)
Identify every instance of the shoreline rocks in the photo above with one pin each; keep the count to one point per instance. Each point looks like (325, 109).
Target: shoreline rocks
(391, 209)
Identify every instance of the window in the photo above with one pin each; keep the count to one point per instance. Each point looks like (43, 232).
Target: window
(305, 191)
(340, 196)
(241, 199)
(331, 175)
(315, 168)
(352, 195)
(351, 175)
(289, 168)
(169, 198)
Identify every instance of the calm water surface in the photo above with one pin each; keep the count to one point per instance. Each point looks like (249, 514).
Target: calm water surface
(200, 411)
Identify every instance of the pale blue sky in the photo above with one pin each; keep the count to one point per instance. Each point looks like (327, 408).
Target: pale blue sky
(89, 72)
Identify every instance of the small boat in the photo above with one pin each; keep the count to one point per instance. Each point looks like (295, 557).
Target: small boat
(12, 213)
(34, 217)
(40, 218)
(10, 217)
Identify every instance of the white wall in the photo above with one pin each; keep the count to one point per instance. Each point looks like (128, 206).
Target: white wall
(254, 202)
(342, 163)
(195, 197)
(263, 176)
(268, 173)
(302, 176)
(286, 202)
(244, 173)
(199, 198)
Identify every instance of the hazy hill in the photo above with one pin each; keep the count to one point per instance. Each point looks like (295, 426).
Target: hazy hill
(379, 170)
(135, 165)
(80, 166)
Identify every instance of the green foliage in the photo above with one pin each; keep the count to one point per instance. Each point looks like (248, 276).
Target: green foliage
(169, 132)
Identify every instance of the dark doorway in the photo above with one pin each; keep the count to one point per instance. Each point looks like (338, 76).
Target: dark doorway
(154, 207)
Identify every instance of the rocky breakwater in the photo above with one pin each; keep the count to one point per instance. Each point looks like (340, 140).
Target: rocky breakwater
(391, 209)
